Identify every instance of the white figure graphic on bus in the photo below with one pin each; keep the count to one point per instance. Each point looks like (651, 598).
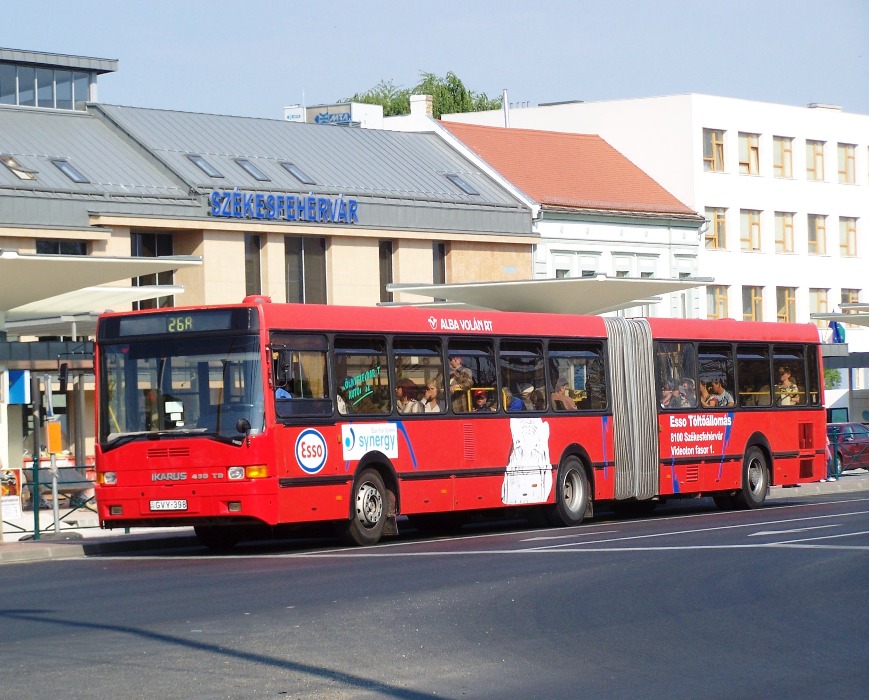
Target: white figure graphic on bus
(529, 471)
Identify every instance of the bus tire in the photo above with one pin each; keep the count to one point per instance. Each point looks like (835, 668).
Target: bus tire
(370, 510)
(217, 538)
(571, 494)
(755, 480)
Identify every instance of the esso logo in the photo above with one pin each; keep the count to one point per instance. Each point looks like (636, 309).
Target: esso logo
(311, 451)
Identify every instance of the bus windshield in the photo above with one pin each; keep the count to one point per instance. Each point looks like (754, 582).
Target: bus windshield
(166, 387)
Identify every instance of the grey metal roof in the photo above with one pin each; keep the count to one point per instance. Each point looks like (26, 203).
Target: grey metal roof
(355, 162)
(114, 167)
(59, 60)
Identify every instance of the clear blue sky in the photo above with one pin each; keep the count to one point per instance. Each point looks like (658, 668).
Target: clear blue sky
(253, 57)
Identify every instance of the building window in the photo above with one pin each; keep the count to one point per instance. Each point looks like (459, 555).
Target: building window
(305, 265)
(784, 232)
(204, 165)
(17, 169)
(8, 85)
(60, 246)
(847, 236)
(749, 154)
(27, 86)
(817, 233)
(818, 304)
(439, 264)
(298, 173)
(713, 150)
(815, 160)
(716, 238)
(252, 264)
(252, 170)
(385, 254)
(462, 184)
(70, 171)
(782, 156)
(850, 296)
(152, 245)
(786, 301)
(749, 229)
(752, 303)
(716, 301)
(847, 170)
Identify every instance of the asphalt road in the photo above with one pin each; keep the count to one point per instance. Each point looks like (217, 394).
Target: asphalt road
(693, 602)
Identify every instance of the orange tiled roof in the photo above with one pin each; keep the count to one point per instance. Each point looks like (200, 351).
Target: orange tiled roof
(567, 170)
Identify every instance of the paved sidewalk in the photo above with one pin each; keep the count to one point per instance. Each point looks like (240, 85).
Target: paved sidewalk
(85, 538)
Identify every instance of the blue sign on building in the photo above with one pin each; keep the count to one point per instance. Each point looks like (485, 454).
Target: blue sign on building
(234, 204)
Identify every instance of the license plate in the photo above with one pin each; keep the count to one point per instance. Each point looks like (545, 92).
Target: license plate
(169, 505)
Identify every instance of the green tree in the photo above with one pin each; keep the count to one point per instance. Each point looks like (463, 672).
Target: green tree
(449, 94)
(832, 379)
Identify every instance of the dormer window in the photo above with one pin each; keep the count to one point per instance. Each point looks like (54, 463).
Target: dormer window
(18, 170)
(204, 165)
(297, 173)
(252, 170)
(70, 171)
(462, 184)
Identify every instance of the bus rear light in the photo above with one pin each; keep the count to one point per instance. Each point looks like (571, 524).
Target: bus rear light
(116, 510)
(107, 478)
(235, 473)
(257, 471)
(234, 506)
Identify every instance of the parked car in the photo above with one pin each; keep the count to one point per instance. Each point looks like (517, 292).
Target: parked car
(851, 443)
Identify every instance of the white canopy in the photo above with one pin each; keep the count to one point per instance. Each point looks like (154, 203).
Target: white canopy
(580, 295)
(25, 279)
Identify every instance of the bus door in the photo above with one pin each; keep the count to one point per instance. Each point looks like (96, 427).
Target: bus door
(635, 416)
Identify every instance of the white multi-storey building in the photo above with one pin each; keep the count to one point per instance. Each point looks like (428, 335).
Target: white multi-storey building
(785, 191)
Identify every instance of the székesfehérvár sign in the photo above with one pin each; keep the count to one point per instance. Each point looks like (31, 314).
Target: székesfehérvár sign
(234, 204)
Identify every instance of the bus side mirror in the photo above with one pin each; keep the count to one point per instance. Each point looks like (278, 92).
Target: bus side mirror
(242, 426)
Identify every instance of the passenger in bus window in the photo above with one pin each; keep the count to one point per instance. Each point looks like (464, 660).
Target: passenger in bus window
(281, 393)
(430, 401)
(461, 380)
(405, 395)
(481, 401)
(671, 395)
(716, 395)
(689, 392)
(560, 399)
(786, 390)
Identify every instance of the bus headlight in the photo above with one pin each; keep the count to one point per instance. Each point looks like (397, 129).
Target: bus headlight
(107, 478)
(235, 473)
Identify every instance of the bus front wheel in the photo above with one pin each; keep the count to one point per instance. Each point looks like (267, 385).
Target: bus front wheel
(370, 506)
(571, 494)
(755, 480)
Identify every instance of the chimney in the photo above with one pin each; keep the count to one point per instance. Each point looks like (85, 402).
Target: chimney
(421, 106)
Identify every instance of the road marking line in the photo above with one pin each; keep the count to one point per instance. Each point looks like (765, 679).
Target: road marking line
(788, 532)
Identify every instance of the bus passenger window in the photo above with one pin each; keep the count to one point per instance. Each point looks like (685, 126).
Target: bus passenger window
(675, 367)
(576, 370)
(300, 373)
(752, 369)
(419, 375)
(472, 364)
(363, 380)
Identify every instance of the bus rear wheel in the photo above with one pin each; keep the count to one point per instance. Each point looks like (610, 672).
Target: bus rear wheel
(755, 480)
(370, 506)
(571, 494)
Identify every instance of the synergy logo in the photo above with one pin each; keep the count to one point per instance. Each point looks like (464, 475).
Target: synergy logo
(311, 451)
(359, 439)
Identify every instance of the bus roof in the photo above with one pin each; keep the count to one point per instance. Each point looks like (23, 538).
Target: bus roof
(423, 320)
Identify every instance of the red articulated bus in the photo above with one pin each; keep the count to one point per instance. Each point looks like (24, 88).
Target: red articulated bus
(243, 420)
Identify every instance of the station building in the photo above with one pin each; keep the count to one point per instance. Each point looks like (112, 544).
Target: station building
(105, 206)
